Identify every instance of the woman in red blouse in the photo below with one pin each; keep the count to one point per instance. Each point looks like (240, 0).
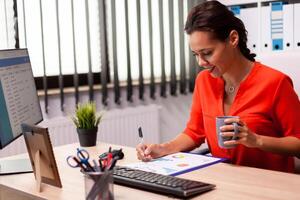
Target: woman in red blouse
(234, 84)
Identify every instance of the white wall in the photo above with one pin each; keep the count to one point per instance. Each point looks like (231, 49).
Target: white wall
(286, 62)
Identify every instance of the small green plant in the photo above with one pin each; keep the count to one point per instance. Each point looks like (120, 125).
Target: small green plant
(86, 116)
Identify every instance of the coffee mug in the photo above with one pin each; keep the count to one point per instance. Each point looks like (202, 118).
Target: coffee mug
(220, 122)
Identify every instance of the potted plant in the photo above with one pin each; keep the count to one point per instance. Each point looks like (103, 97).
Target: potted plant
(86, 121)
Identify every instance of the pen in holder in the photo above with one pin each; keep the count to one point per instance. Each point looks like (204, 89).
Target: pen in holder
(99, 185)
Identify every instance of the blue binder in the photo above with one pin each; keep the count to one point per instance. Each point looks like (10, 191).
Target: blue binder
(277, 25)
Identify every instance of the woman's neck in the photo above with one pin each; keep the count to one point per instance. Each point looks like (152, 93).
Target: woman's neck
(238, 71)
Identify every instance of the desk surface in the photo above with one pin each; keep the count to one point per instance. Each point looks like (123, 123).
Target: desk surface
(233, 182)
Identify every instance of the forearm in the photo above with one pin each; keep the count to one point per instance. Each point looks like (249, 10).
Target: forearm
(181, 143)
(285, 145)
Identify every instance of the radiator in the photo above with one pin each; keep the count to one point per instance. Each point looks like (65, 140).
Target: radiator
(119, 126)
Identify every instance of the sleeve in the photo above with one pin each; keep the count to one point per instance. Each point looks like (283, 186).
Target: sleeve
(195, 127)
(287, 108)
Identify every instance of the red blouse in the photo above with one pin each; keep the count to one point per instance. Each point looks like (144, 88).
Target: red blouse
(266, 101)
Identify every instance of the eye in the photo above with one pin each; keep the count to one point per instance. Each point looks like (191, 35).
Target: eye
(208, 53)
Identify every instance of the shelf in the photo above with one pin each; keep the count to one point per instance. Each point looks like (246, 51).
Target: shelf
(281, 59)
(286, 61)
(239, 2)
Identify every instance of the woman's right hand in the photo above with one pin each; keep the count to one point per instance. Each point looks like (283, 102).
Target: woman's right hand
(147, 152)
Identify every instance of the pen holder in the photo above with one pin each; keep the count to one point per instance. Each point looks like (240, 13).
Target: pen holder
(99, 185)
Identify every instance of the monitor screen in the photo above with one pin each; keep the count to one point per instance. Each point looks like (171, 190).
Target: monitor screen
(18, 96)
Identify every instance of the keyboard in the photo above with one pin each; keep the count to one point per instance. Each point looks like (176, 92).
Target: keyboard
(168, 185)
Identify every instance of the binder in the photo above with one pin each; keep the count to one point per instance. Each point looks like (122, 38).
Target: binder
(297, 26)
(277, 25)
(249, 16)
(288, 26)
(251, 20)
(236, 10)
(265, 29)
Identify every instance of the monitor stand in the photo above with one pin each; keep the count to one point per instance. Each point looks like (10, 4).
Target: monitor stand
(16, 166)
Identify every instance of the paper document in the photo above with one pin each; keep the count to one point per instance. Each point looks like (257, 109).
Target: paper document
(176, 164)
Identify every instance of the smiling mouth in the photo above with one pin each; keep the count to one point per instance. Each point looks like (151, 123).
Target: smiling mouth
(210, 69)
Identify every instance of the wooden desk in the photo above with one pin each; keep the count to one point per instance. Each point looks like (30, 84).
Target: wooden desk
(233, 182)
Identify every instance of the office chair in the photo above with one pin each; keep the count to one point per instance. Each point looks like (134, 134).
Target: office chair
(202, 151)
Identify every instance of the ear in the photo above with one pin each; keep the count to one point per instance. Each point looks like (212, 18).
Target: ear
(233, 38)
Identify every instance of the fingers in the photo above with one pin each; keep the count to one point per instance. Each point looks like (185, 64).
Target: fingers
(244, 136)
(231, 142)
(240, 140)
(140, 148)
(233, 136)
(229, 128)
(144, 152)
(227, 131)
(236, 120)
(233, 119)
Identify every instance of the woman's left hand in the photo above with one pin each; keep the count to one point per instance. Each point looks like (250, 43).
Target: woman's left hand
(245, 136)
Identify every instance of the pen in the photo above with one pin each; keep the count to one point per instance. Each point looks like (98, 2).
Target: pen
(141, 135)
(109, 160)
(113, 163)
(96, 167)
(142, 140)
(100, 165)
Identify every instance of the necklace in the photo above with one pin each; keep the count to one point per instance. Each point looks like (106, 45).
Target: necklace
(231, 89)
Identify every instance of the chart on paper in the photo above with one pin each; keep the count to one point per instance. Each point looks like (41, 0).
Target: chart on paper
(175, 164)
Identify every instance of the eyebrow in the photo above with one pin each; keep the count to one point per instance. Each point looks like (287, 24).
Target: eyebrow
(201, 50)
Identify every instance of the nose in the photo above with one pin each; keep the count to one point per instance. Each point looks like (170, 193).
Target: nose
(201, 62)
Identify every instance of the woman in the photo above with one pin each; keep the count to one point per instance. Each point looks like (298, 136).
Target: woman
(235, 84)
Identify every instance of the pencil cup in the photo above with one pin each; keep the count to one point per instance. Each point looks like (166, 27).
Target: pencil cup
(99, 185)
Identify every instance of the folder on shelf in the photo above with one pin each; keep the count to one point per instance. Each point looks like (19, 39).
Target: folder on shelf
(250, 18)
(288, 26)
(277, 25)
(236, 10)
(265, 34)
(297, 26)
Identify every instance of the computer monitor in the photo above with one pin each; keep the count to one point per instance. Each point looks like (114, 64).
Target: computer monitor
(19, 103)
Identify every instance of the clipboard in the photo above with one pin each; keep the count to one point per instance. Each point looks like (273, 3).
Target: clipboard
(41, 155)
(176, 164)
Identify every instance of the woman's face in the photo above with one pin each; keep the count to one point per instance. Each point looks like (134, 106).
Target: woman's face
(214, 55)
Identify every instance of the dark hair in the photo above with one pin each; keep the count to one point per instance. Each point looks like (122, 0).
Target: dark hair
(214, 17)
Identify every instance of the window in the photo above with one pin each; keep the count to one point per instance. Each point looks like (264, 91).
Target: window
(126, 40)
